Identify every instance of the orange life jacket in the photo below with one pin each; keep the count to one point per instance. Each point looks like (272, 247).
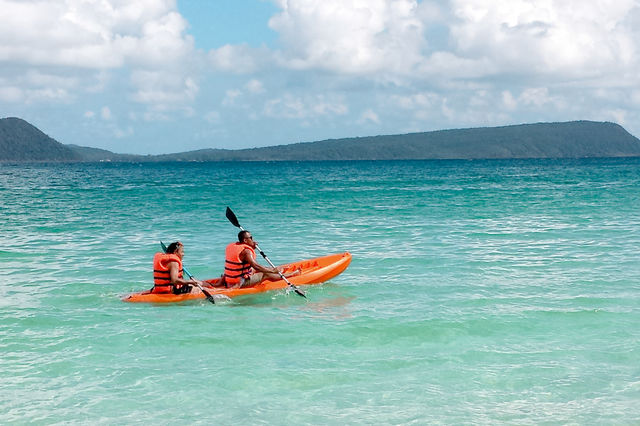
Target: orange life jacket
(161, 276)
(234, 268)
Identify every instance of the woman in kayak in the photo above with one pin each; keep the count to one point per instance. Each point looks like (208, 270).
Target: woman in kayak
(167, 271)
(241, 268)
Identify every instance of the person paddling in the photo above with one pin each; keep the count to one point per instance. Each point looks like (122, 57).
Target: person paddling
(167, 271)
(241, 268)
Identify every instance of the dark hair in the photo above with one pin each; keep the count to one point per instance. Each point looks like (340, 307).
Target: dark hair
(242, 235)
(173, 247)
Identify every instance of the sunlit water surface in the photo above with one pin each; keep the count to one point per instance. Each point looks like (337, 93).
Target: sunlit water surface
(479, 292)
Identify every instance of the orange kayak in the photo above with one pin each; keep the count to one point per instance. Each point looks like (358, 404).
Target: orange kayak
(313, 271)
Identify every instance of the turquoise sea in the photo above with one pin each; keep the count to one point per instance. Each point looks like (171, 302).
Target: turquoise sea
(480, 292)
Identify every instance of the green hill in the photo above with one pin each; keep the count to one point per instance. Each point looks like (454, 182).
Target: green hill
(96, 154)
(577, 139)
(20, 141)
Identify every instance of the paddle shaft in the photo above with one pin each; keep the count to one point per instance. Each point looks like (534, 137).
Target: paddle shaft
(206, 293)
(234, 221)
(296, 289)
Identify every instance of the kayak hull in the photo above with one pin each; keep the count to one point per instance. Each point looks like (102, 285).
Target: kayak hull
(313, 271)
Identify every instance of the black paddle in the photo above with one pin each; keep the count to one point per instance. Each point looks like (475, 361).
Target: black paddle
(234, 221)
(206, 293)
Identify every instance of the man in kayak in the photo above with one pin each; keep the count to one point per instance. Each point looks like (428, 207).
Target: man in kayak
(241, 268)
(167, 271)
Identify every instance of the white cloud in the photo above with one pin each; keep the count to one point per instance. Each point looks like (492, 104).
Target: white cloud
(87, 39)
(403, 41)
(350, 36)
(123, 133)
(417, 100)
(304, 107)
(160, 87)
(576, 38)
(239, 59)
(95, 34)
(616, 115)
(45, 94)
(11, 94)
(535, 96)
(369, 116)
(336, 67)
(231, 96)
(241, 98)
(105, 113)
(509, 101)
(254, 86)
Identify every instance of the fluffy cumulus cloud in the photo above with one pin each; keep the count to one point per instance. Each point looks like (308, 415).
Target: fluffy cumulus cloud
(334, 68)
(455, 62)
(472, 39)
(350, 36)
(472, 61)
(67, 46)
(569, 37)
(240, 59)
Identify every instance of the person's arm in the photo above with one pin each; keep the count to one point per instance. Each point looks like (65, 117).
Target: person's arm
(175, 279)
(247, 257)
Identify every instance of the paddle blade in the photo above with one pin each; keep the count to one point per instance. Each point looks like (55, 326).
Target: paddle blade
(232, 218)
(164, 248)
(207, 295)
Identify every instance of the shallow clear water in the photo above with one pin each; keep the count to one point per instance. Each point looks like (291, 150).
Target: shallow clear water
(479, 292)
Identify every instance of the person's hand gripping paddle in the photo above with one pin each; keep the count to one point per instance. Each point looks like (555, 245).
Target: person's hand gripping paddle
(234, 221)
(205, 292)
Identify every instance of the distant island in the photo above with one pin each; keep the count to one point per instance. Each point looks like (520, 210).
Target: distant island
(23, 142)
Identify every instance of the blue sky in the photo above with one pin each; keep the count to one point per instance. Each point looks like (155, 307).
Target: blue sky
(216, 23)
(162, 76)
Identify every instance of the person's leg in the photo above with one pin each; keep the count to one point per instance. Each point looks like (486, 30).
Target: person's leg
(214, 283)
(292, 273)
(260, 276)
(252, 280)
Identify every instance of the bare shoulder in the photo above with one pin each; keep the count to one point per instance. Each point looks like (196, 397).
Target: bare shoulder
(246, 254)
